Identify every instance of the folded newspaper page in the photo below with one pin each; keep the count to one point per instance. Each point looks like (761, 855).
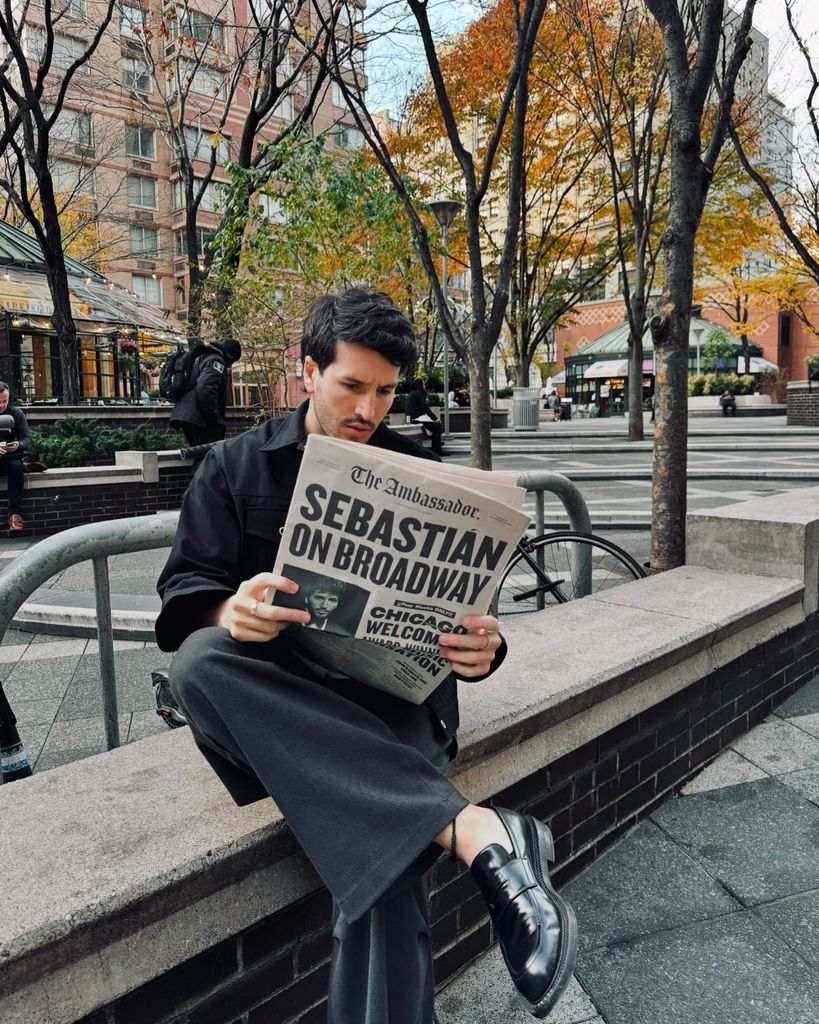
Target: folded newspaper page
(390, 551)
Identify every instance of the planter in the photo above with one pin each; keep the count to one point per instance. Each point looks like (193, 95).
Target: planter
(803, 404)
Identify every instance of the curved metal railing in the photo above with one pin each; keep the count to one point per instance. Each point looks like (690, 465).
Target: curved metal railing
(94, 542)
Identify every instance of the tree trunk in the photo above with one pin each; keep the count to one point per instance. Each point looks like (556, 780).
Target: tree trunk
(635, 372)
(481, 417)
(670, 332)
(62, 318)
(522, 367)
(668, 487)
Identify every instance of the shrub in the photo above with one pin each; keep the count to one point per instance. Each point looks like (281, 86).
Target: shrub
(716, 383)
(76, 442)
(696, 384)
(504, 393)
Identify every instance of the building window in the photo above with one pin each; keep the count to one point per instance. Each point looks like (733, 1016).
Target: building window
(65, 50)
(597, 292)
(347, 136)
(136, 75)
(201, 27)
(284, 107)
(338, 96)
(140, 142)
(141, 191)
(143, 242)
(72, 179)
(272, 209)
(75, 128)
(131, 21)
(204, 236)
(200, 145)
(203, 80)
(75, 8)
(208, 201)
(149, 289)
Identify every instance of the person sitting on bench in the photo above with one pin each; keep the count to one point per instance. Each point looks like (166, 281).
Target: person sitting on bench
(418, 411)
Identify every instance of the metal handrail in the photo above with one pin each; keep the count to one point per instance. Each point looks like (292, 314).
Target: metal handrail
(542, 480)
(94, 542)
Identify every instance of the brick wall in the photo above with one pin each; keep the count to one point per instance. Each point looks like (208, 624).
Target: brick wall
(49, 511)
(803, 405)
(277, 971)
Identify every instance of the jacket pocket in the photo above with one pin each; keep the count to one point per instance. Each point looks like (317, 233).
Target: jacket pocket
(263, 524)
(266, 521)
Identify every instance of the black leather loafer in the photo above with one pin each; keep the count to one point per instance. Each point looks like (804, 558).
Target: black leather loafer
(537, 930)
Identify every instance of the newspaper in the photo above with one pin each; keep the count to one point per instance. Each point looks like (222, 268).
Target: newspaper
(389, 551)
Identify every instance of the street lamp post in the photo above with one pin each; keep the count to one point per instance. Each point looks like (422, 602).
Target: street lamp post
(697, 339)
(445, 211)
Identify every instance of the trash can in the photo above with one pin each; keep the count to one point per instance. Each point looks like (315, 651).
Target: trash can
(525, 408)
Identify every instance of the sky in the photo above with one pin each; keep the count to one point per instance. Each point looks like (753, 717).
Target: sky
(395, 62)
(787, 69)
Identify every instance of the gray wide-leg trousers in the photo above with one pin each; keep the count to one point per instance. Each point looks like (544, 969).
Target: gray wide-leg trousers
(358, 776)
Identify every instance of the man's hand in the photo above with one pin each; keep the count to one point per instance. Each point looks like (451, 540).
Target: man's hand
(247, 616)
(471, 653)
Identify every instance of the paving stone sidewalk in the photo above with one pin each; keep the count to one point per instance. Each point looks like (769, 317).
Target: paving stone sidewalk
(54, 687)
(707, 912)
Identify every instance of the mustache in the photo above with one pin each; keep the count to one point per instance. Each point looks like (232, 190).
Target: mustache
(358, 422)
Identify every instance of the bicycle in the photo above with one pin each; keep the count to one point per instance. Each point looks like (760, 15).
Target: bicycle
(558, 567)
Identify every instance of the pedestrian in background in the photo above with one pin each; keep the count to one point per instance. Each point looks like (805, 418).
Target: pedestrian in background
(200, 413)
(15, 442)
(418, 411)
(728, 403)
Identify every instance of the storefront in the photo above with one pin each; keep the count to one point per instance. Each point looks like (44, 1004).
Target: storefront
(121, 340)
(597, 374)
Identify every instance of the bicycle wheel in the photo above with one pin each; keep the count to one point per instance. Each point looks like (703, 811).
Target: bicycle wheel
(560, 567)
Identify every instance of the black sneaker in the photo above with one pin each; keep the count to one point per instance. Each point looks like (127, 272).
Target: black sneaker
(14, 763)
(166, 706)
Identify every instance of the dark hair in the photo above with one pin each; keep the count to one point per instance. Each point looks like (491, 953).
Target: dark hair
(324, 585)
(4, 386)
(364, 317)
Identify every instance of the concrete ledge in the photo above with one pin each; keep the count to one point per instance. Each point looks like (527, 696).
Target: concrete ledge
(86, 914)
(776, 536)
(129, 467)
(696, 403)
(80, 476)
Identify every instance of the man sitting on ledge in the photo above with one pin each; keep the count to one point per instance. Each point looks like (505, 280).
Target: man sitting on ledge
(357, 773)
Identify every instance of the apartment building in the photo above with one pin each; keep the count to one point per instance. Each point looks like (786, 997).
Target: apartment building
(174, 81)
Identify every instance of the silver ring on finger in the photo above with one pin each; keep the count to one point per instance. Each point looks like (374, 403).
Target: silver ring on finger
(254, 607)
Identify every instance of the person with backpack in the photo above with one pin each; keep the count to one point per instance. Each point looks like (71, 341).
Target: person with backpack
(199, 388)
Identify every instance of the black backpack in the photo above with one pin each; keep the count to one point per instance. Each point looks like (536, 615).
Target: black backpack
(176, 375)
